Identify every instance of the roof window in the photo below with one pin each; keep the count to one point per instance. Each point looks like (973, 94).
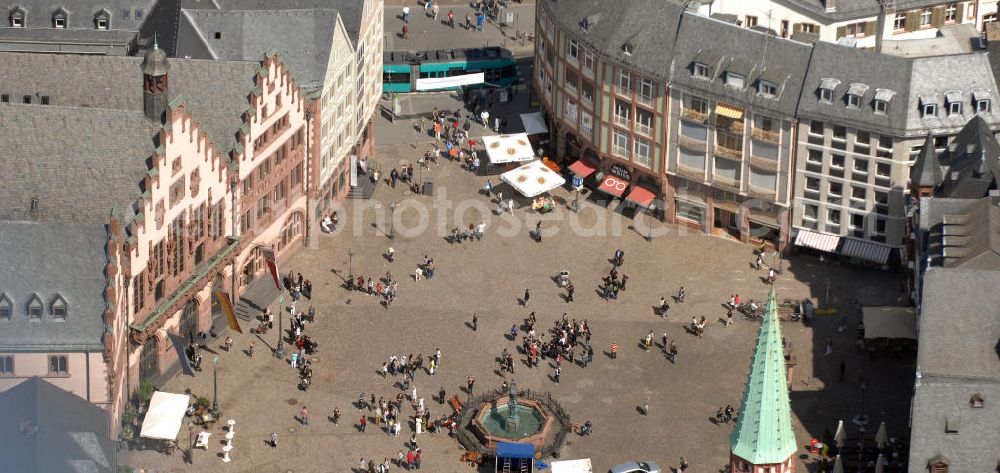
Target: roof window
(35, 307)
(17, 17)
(6, 307)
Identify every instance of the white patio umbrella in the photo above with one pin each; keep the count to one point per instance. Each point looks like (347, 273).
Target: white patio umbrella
(840, 435)
(881, 438)
(838, 466)
(880, 464)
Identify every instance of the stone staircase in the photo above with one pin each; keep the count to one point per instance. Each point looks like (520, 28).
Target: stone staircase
(364, 189)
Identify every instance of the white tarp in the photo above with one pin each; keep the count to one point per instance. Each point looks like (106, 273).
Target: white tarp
(573, 466)
(534, 123)
(532, 179)
(164, 417)
(504, 149)
(434, 83)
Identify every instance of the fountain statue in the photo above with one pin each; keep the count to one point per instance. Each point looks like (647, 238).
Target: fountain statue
(512, 418)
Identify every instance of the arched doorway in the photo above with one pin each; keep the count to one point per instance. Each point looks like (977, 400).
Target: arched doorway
(216, 286)
(149, 361)
(291, 229)
(189, 320)
(572, 147)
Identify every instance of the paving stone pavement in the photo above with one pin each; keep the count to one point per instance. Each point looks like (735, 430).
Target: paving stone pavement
(487, 278)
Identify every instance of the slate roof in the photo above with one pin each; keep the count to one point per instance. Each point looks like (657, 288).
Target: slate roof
(926, 170)
(78, 162)
(303, 38)
(350, 10)
(650, 26)
(968, 238)
(38, 14)
(763, 434)
(216, 91)
(939, 76)
(857, 66)
(753, 54)
(62, 432)
(958, 356)
(972, 163)
(50, 260)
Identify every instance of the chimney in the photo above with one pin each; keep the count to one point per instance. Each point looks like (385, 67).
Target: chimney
(831, 5)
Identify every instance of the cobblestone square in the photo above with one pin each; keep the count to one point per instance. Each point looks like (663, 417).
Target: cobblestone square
(488, 278)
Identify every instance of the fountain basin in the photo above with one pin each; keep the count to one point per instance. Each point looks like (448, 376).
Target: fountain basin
(534, 424)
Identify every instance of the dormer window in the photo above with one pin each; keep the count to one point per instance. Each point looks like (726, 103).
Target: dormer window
(6, 307)
(102, 20)
(855, 93)
(17, 18)
(627, 49)
(929, 109)
(983, 106)
(702, 71)
(35, 307)
(826, 88)
(954, 100)
(981, 98)
(58, 308)
(60, 19)
(589, 21)
(767, 88)
(735, 80)
(976, 400)
(881, 101)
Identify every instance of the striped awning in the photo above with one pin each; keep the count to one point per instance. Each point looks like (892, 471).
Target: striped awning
(819, 241)
(729, 111)
(867, 250)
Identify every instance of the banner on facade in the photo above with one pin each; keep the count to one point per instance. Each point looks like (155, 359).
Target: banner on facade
(178, 342)
(227, 308)
(268, 254)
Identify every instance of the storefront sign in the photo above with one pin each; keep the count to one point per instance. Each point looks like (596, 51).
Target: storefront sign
(620, 172)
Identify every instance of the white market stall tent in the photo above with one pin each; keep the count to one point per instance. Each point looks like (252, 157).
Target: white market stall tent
(572, 466)
(532, 179)
(503, 149)
(534, 123)
(165, 415)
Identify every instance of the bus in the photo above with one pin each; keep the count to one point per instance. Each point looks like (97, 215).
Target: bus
(447, 69)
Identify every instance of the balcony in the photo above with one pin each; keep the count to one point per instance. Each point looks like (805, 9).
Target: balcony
(732, 127)
(623, 122)
(766, 135)
(725, 151)
(643, 129)
(694, 115)
(619, 151)
(764, 164)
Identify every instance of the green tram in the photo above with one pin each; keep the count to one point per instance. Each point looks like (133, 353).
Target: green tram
(422, 71)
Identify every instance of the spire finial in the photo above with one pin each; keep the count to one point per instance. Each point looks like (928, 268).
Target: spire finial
(156, 44)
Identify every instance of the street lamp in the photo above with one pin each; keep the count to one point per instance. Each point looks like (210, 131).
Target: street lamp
(392, 221)
(215, 387)
(350, 266)
(191, 442)
(279, 349)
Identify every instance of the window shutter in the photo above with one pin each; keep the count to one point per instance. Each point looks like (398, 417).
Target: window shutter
(841, 32)
(870, 28)
(912, 20)
(937, 17)
(958, 13)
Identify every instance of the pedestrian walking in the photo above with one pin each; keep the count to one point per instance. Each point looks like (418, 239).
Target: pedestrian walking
(569, 292)
(645, 407)
(229, 344)
(527, 295)
(614, 350)
(470, 383)
(406, 14)
(680, 294)
(304, 415)
(363, 423)
(250, 349)
(485, 117)
(451, 19)
(663, 307)
(557, 374)
(468, 22)
(538, 231)
(274, 439)
(406, 30)
(336, 415)
(475, 322)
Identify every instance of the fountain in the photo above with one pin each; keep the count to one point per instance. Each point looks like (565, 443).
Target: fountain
(522, 420)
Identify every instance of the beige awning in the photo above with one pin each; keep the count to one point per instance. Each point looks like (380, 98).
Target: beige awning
(729, 111)
(890, 322)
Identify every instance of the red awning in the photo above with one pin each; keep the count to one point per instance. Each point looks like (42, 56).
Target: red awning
(612, 185)
(581, 168)
(641, 195)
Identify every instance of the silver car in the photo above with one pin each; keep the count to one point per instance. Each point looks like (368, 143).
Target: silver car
(636, 467)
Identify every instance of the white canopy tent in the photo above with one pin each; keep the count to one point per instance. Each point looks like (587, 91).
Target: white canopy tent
(504, 149)
(532, 179)
(534, 123)
(572, 466)
(165, 415)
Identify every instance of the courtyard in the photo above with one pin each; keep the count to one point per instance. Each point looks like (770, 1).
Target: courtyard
(487, 278)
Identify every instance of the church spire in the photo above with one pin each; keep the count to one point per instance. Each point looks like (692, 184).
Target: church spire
(763, 433)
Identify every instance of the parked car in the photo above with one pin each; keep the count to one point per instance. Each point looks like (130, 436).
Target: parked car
(636, 467)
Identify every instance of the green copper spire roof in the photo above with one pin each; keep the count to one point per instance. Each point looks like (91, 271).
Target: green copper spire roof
(763, 433)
